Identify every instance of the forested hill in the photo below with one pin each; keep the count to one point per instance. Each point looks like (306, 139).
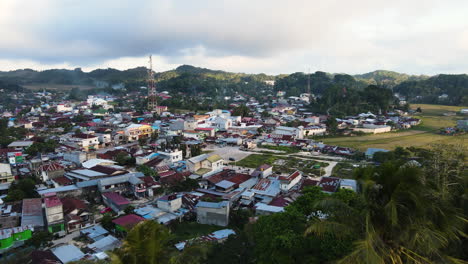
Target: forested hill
(192, 80)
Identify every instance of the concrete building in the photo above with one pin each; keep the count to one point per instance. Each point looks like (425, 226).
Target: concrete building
(54, 215)
(204, 164)
(213, 213)
(170, 203)
(5, 173)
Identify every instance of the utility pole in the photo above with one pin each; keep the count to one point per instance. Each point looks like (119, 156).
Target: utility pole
(152, 102)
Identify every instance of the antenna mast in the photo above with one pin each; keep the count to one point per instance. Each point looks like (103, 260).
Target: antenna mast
(152, 103)
(308, 86)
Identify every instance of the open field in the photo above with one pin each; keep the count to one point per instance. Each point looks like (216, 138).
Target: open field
(420, 136)
(40, 87)
(283, 164)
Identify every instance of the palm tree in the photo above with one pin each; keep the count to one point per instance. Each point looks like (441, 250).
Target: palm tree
(405, 219)
(146, 243)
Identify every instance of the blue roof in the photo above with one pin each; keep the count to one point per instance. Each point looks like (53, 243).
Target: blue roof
(212, 205)
(371, 151)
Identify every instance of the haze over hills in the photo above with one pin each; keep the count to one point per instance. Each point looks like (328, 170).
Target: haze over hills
(191, 80)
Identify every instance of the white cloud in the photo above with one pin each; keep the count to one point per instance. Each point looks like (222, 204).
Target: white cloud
(270, 36)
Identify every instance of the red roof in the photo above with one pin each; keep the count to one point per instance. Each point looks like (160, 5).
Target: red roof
(329, 184)
(52, 202)
(116, 198)
(166, 173)
(63, 181)
(70, 204)
(290, 177)
(128, 221)
(279, 201)
(204, 128)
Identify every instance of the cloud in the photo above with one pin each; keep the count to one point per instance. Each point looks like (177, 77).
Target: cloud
(270, 36)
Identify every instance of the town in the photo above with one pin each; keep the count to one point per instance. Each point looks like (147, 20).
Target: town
(77, 176)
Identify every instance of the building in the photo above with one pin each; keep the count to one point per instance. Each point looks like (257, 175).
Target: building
(462, 124)
(287, 182)
(127, 222)
(51, 171)
(213, 213)
(296, 132)
(54, 215)
(371, 151)
(136, 131)
(205, 164)
(373, 129)
(348, 184)
(32, 213)
(115, 201)
(76, 214)
(9, 236)
(5, 173)
(20, 145)
(170, 203)
(68, 253)
(263, 171)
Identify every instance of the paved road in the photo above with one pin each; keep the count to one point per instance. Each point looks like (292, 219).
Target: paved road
(329, 168)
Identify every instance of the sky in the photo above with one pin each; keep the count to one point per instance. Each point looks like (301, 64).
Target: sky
(251, 36)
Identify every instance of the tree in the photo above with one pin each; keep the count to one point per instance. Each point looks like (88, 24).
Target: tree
(40, 239)
(106, 221)
(241, 110)
(146, 170)
(22, 189)
(129, 209)
(405, 219)
(332, 125)
(146, 243)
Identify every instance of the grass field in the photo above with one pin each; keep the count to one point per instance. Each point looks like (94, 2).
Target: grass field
(284, 164)
(420, 136)
(186, 230)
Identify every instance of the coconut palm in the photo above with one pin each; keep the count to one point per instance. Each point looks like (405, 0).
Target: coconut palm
(405, 219)
(146, 243)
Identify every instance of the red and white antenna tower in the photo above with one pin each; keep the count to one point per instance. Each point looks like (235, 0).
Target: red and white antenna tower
(152, 103)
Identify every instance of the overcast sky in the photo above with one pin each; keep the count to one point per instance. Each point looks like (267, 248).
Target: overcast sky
(253, 36)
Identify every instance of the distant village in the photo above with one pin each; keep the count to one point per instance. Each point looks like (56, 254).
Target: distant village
(107, 170)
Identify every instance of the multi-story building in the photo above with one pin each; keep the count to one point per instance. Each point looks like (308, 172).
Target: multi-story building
(54, 215)
(5, 173)
(137, 131)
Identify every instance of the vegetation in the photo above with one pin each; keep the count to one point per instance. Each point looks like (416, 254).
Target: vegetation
(22, 189)
(420, 136)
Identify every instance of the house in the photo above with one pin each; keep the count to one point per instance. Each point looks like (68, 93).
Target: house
(287, 182)
(462, 124)
(85, 142)
(32, 213)
(348, 184)
(263, 171)
(296, 132)
(5, 174)
(54, 215)
(20, 145)
(9, 236)
(51, 171)
(115, 201)
(170, 203)
(64, 108)
(374, 129)
(76, 214)
(68, 253)
(329, 184)
(265, 209)
(314, 130)
(127, 222)
(94, 233)
(204, 164)
(137, 131)
(213, 213)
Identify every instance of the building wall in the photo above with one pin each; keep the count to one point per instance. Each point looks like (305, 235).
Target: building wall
(213, 216)
(170, 206)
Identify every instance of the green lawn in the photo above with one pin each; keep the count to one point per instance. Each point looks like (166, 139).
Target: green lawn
(420, 136)
(255, 160)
